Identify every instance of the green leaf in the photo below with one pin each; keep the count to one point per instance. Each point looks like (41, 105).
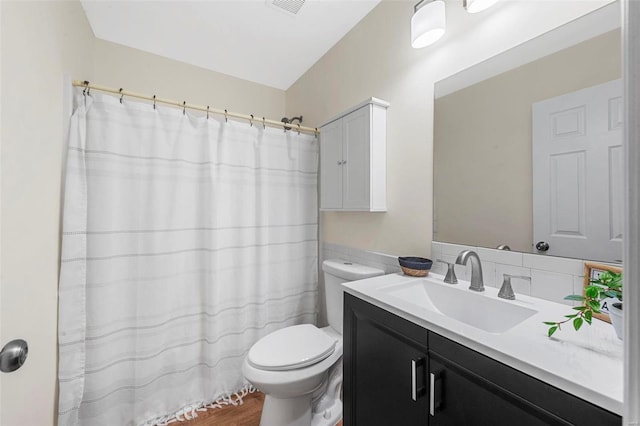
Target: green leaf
(579, 308)
(549, 323)
(577, 323)
(552, 330)
(592, 292)
(571, 316)
(575, 297)
(612, 293)
(594, 305)
(588, 315)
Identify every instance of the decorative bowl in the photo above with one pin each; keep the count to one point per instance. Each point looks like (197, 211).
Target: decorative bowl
(415, 266)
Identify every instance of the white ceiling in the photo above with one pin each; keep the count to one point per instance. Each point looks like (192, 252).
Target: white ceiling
(248, 39)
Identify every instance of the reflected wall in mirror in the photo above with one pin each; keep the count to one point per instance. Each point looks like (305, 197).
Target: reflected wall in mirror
(489, 190)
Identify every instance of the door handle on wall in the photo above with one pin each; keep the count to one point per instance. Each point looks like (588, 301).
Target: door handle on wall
(417, 392)
(542, 246)
(13, 355)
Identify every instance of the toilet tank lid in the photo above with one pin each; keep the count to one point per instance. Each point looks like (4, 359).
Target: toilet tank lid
(348, 270)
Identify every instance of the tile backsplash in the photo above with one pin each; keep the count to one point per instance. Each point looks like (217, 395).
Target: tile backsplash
(388, 263)
(550, 278)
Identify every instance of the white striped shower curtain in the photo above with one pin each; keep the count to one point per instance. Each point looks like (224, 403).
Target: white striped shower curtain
(185, 240)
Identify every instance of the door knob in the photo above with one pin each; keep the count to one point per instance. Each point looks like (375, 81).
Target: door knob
(13, 355)
(542, 246)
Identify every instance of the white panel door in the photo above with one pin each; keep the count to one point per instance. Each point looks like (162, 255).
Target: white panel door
(331, 166)
(577, 173)
(356, 151)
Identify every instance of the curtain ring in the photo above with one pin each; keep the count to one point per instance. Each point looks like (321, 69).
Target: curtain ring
(184, 107)
(154, 102)
(121, 94)
(251, 121)
(264, 126)
(86, 86)
(207, 112)
(316, 133)
(298, 129)
(225, 116)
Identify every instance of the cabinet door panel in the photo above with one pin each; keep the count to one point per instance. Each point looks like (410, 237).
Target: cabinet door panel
(331, 166)
(464, 398)
(530, 395)
(356, 187)
(380, 380)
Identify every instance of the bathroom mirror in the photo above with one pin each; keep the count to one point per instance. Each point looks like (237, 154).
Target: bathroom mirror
(521, 160)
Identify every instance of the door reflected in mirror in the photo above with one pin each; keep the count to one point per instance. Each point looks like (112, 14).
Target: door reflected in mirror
(531, 156)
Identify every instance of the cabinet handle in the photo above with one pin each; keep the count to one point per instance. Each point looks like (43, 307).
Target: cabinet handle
(435, 392)
(432, 397)
(415, 391)
(339, 163)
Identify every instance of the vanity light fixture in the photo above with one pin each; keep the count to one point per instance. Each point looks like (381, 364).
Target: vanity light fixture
(427, 23)
(475, 6)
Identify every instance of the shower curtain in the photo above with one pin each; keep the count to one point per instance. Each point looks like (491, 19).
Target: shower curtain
(185, 240)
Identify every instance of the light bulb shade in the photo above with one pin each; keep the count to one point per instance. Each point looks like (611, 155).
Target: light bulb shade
(475, 6)
(428, 24)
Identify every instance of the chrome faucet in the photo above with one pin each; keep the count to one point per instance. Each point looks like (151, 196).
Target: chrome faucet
(476, 268)
(506, 291)
(450, 278)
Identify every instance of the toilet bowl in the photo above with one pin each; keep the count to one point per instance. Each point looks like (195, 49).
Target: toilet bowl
(290, 387)
(299, 368)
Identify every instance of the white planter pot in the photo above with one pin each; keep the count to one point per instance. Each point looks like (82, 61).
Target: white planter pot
(615, 313)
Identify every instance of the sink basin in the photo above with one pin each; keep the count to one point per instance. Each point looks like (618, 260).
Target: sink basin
(480, 310)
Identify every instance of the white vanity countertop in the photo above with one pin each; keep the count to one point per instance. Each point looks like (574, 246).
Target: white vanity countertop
(587, 363)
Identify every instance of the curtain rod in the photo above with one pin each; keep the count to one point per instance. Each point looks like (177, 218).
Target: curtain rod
(252, 120)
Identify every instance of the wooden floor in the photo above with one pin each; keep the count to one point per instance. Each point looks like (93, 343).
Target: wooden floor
(247, 414)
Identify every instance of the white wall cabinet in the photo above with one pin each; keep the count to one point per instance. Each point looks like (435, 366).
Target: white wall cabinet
(353, 159)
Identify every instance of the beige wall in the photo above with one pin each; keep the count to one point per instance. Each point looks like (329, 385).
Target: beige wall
(494, 145)
(41, 43)
(120, 66)
(376, 59)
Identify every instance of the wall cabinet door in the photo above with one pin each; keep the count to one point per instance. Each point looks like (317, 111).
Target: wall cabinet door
(353, 159)
(356, 154)
(384, 369)
(331, 163)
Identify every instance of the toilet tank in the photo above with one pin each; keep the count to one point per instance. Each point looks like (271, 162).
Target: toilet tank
(336, 272)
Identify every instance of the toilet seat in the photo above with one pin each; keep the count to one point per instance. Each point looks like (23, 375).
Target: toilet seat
(290, 348)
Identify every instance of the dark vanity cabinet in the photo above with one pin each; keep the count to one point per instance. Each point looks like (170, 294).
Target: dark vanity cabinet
(398, 373)
(385, 368)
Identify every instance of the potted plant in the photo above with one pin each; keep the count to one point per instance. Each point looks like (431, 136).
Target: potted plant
(607, 285)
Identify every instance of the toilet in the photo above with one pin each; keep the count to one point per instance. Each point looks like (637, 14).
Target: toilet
(299, 368)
